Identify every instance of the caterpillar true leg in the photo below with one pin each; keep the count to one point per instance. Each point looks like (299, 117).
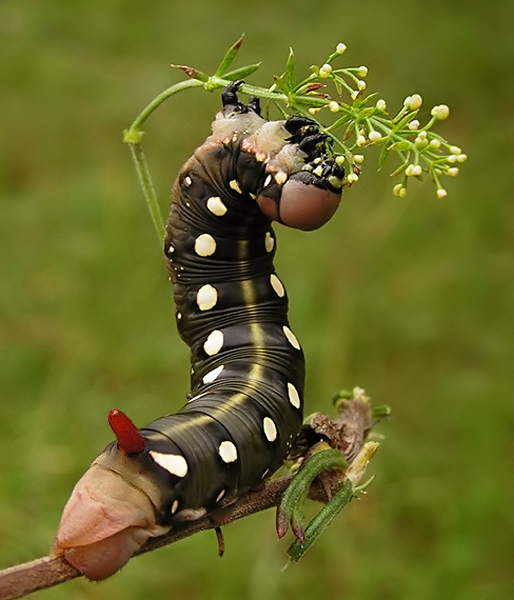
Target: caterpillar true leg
(245, 407)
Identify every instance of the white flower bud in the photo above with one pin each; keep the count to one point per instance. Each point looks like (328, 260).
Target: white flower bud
(414, 124)
(358, 158)
(435, 144)
(462, 158)
(352, 178)
(333, 106)
(440, 112)
(361, 141)
(453, 171)
(399, 190)
(455, 150)
(340, 48)
(362, 71)
(374, 136)
(314, 110)
(413, 102)
(381, 104)
(325, 71)
(452, 158)
(355, 94)
(413, 170)
(441, 193)
(361, 84)
(421, 142)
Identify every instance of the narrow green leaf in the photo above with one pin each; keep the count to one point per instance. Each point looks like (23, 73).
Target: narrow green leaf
(402, 146)
(407, 119)
(228, 59)
(191, 72)
(318, 524)
(290, 75)
(383, 155)
(242, 72)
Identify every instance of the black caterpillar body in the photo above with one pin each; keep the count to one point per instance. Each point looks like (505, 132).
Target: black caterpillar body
(245, 407)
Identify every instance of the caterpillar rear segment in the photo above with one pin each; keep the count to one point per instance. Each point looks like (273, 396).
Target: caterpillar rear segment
(245, 407)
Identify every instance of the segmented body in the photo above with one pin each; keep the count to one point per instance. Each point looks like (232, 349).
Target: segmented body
(247, 376)
(247, 365)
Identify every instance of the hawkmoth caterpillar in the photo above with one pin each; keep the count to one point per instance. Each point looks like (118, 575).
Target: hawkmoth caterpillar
(245, 407)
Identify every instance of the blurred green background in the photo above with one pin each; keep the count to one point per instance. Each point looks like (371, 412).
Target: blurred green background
(412, 299)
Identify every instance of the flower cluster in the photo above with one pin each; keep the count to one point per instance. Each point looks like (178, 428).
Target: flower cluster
(365, 122)
(354, 125)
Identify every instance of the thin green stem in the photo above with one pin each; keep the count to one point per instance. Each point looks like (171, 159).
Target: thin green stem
(148, 189)
(156, 102)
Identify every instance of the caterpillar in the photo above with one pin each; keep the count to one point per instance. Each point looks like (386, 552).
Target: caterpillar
(247, 367)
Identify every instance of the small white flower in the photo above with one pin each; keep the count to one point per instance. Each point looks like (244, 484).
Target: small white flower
(453, 171)
(413, 170)
(314, 110)
(414, 102)
(442, 193)
(325, 71)
(435, 144)
(452, 158)
(352, 178)
(399, 190)
(355, 94)
(440, 112)
(455, 150)
(381, 104)
(422, 135)
(358, 158)
(374, 136)
(340, 48)
(414, 124)
(361, 141)
(462, 158)
(362, 71)
(333, 106)
(361, 84)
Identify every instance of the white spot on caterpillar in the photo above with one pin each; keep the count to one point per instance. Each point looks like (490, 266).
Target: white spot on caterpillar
(174, 507)
(267, 181)
(207, 297)
(220, 495)
(173, 463)
(269, 242)
(227, 451)
(205, 245)
(265, 473)
(234, 185)
(171, 249)
(294, 397)
(188, 181)
(270, 431)
(179, 316)
(216, 206)
(213, 343)
(276, 284)
(213, 375)
(291, 337)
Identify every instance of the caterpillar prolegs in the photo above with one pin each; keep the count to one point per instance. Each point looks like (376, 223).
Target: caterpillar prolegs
(245, 407)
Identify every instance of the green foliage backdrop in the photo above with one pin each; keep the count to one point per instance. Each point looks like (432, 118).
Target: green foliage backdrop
(412, 299)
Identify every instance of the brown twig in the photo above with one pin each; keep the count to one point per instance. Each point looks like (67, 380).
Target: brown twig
(347, 432)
